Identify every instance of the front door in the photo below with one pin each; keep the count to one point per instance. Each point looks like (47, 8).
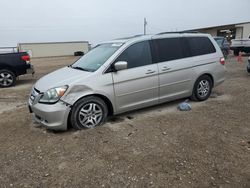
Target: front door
(136, 86)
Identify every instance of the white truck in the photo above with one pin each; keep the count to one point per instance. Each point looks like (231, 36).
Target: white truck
(240, 45)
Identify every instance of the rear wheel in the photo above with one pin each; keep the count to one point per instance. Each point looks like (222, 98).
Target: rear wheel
(7, 78)
(88, 112)
(248, 69)
(225, 53)
(236, 52)
(202, 88)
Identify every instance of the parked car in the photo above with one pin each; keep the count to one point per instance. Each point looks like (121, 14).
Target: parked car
(223, 44)
(248, 65)
(79, 53)
(13, 65)
(128, 74)
(240, 45)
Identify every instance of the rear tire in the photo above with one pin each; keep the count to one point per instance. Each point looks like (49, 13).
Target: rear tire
(248, 69)
(225, 53)
(236, 52)
(202, 88)
(88, 112)
(7, 78)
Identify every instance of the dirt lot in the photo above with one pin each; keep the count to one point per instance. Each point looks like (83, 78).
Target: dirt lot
(154, 147)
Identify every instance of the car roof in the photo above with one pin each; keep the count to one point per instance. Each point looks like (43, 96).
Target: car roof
(136, 38)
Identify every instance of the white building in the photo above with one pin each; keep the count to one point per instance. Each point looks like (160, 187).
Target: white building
(231, 31)
(53, 49)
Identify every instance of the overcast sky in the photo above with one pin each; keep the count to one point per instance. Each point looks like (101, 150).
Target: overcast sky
(100, 20)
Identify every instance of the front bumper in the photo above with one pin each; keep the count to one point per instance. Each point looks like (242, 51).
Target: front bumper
(53, 116)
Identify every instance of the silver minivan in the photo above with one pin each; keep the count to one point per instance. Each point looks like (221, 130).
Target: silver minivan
(128, 74)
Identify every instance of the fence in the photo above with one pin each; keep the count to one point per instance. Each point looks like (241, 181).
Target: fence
(8, 50)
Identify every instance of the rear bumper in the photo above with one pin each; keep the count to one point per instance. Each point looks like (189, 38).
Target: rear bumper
(219, 75)
(243, 48)
(30, 70)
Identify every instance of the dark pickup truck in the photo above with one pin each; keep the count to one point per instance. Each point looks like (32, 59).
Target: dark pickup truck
(13, 65)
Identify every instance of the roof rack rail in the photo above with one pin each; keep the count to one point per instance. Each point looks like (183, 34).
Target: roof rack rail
(130, 37)
(177, 32)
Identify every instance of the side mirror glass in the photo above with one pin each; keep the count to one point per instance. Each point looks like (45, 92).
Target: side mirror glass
(120, 65)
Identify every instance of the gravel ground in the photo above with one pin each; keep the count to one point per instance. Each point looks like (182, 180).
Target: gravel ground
(160, 146)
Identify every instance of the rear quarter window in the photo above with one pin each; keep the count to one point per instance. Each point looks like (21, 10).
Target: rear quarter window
(200, 46)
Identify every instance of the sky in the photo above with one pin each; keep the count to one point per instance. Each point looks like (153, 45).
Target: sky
(100, 20)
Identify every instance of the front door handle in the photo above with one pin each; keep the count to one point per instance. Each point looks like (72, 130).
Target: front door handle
(166, 68)
(150, 72)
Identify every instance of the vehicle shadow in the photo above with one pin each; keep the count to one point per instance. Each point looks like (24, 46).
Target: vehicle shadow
(25, 81)
(147, 110)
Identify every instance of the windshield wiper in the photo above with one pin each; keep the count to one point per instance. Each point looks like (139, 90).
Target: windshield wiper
(80, 68)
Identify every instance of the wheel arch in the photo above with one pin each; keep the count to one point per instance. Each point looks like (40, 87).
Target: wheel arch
(207, 74)
(104, 98)
(9, 68)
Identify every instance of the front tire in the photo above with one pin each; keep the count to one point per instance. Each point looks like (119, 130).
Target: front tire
(88, 112)
(7, 78)
(202, 88)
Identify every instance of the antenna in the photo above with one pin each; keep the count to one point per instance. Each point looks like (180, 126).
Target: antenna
(145, 26)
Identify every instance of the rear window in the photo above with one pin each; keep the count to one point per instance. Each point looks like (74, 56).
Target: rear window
(200, 46)
(169, 49)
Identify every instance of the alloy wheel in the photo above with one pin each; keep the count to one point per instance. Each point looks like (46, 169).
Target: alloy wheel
(90, 115)
(203, 88)
(6, 79)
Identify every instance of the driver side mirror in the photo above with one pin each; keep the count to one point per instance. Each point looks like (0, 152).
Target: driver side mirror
(120, 65)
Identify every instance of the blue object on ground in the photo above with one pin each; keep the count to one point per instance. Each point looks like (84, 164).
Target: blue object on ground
(184, 106)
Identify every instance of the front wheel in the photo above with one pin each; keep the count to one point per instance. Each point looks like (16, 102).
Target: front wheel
(88, 112)
(7, 78)
(202, 88)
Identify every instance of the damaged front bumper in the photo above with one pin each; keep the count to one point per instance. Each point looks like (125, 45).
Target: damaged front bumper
(52, 116)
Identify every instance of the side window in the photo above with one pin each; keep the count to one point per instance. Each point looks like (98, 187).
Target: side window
(137, 55)
(169, 49)
(200, 46)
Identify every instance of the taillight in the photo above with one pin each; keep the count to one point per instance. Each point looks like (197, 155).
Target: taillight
(26, 58)
(222, 61)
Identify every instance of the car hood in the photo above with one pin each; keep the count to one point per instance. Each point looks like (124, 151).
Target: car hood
(60, 77)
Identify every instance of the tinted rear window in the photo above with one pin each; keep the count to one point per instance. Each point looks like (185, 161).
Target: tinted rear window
(169, 49)
(200, 46)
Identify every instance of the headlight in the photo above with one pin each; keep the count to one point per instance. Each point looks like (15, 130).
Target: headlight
(53, 95)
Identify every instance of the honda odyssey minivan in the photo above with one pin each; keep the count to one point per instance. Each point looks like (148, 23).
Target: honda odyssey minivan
(128, 74)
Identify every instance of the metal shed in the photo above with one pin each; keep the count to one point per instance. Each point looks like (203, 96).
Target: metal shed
(54, 49)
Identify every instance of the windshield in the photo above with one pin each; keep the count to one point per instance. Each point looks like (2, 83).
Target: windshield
(219, 41)
(96, 57)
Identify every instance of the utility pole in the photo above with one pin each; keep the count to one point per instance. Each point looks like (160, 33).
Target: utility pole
(145, 26)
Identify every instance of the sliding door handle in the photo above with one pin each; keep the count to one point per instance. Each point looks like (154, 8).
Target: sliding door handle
(166, 68)
(150, 71)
